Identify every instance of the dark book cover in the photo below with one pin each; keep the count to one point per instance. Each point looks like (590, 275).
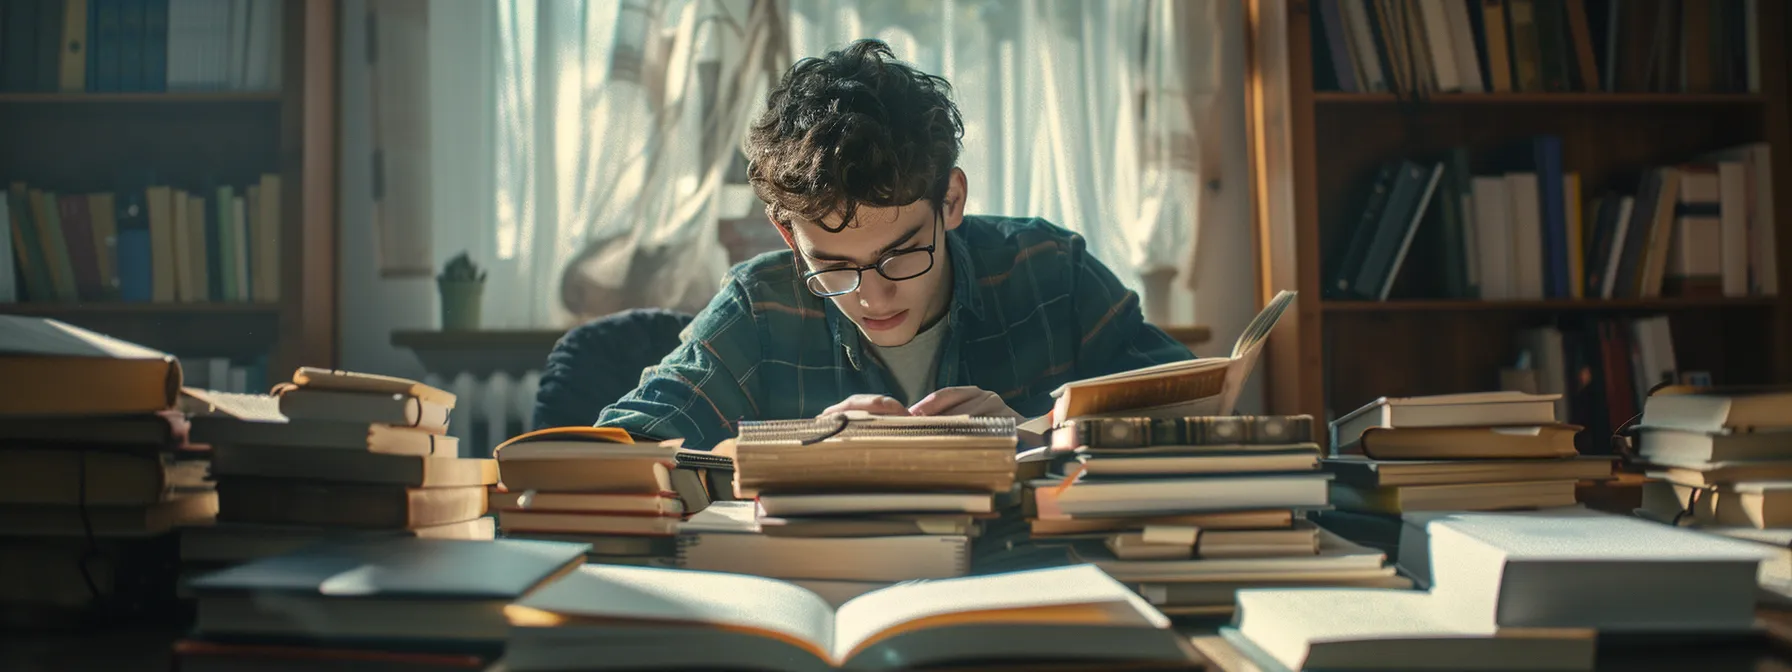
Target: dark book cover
(1191, 431)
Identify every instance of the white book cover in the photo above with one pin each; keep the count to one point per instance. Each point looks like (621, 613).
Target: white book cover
(1593, 570)
(1527, 235)
(1493, 237)
(1732, 178)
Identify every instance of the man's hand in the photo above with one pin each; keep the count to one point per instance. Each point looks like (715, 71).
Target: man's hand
(875, 404)
(964, 401)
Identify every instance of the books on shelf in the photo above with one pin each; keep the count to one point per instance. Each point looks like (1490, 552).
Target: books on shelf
(1531, 46)
(1518, 224)
(104, 46)
(160, 243)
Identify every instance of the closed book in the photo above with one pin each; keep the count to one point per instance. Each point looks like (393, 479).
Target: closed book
(1466, 443)
(1139, 432)
(1583, 570)
(1363, 472)
(445, 590)
(73, 371)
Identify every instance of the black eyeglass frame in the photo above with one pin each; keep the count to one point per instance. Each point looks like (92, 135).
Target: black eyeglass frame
(859, 271)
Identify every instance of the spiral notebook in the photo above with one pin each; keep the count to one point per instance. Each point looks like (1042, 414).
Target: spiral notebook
(859, 452)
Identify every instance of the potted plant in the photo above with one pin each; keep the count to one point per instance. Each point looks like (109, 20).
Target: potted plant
(462, 285)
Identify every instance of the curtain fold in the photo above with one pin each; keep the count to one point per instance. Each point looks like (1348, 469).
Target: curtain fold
(614, 131)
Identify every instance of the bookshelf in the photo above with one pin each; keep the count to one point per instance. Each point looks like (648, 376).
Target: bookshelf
(108, 139)
(1315, 152)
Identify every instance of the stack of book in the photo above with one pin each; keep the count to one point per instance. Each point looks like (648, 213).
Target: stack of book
(846, 504)
(98, 474)
(1396, 461)
(1723, 458)
(1190, 510)
(333, 454)
(595, 486)
(389, 603)
(1509, 594)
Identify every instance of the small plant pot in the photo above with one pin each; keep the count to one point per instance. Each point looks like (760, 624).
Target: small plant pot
(460, 304)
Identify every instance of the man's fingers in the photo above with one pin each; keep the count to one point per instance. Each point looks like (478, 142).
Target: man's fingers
(870, 403)
(942, 402)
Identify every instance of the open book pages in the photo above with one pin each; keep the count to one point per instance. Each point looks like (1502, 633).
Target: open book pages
(242, 406)
(631, 617)
(1195, 387)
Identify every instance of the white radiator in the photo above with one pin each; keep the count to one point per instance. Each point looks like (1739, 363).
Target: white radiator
(488, 410)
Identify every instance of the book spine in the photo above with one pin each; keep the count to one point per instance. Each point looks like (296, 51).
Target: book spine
(1193, 431)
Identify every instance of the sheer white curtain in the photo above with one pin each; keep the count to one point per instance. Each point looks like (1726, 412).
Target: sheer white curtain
(615, 124)
(1082, 113)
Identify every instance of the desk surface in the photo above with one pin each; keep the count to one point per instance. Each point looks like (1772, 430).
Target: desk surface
(149, 650)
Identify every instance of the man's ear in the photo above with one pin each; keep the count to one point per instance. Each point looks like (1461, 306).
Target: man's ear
(953, 207)
(784, 232)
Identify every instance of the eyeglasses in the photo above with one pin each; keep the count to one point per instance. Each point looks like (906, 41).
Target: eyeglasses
(904, 265)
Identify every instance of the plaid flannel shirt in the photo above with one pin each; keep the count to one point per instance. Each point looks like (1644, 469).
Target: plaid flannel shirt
(1031, 310)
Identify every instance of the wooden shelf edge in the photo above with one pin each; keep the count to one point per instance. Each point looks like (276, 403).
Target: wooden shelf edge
(176, 97)
(1471, 305)
(1577, 98)
(111, 308)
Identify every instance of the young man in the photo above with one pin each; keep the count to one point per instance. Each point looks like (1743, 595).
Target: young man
(891, 299)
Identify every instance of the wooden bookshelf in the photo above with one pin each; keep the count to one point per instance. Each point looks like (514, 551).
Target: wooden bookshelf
(91, 142)
(1315, 152)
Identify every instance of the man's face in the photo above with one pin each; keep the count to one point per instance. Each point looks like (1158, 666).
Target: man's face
(887, 312)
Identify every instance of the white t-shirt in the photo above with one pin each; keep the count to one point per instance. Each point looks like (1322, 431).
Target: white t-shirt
(915, 363)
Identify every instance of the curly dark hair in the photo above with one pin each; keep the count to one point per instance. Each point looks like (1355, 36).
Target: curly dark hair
(855, 126)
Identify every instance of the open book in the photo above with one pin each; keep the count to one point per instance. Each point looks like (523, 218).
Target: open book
(616, 617)
(1195, 387)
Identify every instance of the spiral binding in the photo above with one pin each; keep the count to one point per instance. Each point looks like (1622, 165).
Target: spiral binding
(810, 432)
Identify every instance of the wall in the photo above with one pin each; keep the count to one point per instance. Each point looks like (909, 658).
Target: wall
(372, 307)
(1227, 278)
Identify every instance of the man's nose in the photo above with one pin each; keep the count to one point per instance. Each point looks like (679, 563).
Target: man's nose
(875, 290)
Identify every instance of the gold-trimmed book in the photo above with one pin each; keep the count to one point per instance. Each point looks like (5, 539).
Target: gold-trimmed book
(1215, 430)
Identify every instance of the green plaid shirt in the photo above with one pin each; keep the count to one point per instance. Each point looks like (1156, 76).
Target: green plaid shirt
(1031, 310)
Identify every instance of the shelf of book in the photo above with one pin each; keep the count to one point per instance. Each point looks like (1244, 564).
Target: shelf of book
(1562, 305)
(160, 98)
(1325, 133)
(61, 310)
(199, 188)
(1559, 98)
